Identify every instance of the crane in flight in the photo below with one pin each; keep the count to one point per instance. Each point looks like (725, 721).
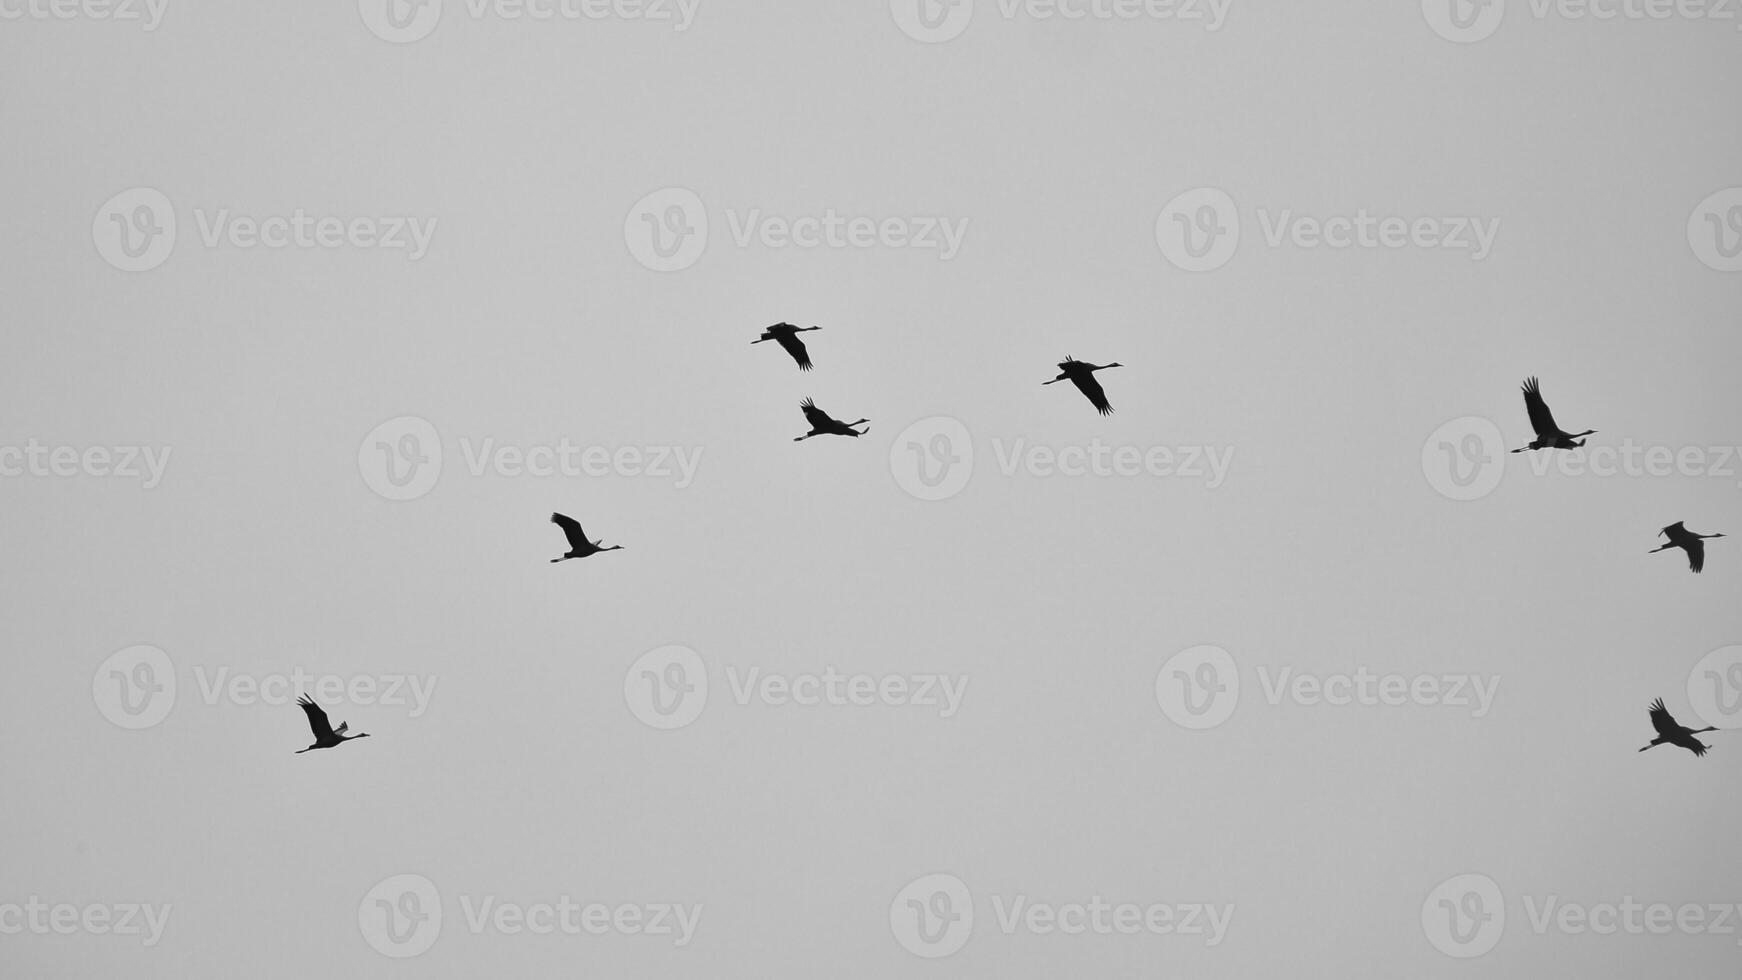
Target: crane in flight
(1680, 537)
(824, 424)
(1548, 434)
(579, 546)
(1669, 732)
(326, 736)
(786, 335)
(1082, 374)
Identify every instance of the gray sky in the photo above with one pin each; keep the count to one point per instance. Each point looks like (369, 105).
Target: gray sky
(1051, 146)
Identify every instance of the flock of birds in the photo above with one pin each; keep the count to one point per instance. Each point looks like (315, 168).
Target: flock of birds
(1549, 435)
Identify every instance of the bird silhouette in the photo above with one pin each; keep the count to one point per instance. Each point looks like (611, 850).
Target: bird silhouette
(786, 335)
(326, 736)
(1548, 434)
(579, 546)
(1082, 374)
(1671, 733)
(1688, 541)
(823, 424)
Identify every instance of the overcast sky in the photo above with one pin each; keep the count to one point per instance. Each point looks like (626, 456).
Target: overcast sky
(1017, 182)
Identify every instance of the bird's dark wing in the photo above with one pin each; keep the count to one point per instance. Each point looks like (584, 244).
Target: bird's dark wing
(1695, 746)
(1661, 720)
(1673, 529)
(814, 415)
(795, 347)
(1696, 550)
(571, 530)
(1091, 389)
(317, 719)
(1541, 419)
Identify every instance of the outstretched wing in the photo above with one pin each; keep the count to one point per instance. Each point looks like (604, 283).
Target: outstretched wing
(814, 415)
(571, 530)
(795, 347)
(1674, 530)
(317, 719)
(1541, 419)
(1661, 720)
(1091, 390)
(1696, 550)
(344, 726)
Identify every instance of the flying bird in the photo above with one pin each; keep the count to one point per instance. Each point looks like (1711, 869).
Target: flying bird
(823, 424)
(326, 736)
(1082, 374)
(1548, 434)
(579, 546)
(1671, 733)
(786, 335)
(1688, 541)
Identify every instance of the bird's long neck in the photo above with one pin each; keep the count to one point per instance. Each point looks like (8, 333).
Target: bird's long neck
(1708, 728)
(1587, 432)
(1718, 535)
